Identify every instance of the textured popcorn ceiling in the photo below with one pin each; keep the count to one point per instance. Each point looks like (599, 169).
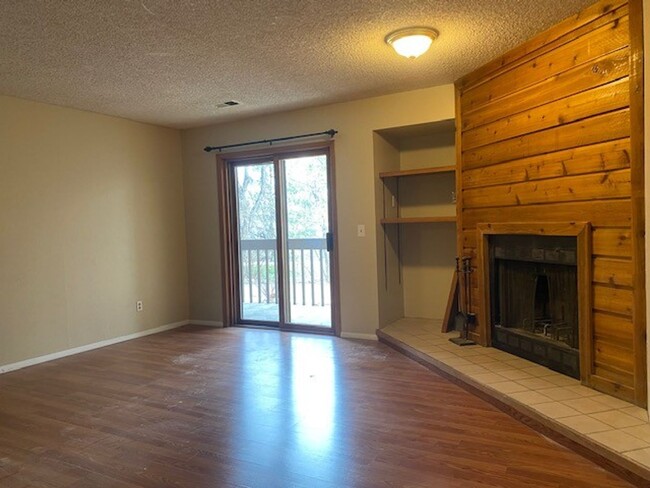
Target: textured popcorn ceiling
(170, 62)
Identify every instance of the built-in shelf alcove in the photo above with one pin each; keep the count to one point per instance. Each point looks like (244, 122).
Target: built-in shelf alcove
(415, 190)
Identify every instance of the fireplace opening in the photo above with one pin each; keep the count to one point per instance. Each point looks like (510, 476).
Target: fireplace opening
(533, 281)
(542, 298)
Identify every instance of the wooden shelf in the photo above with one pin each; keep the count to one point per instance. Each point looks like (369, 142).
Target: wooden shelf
(419, 171)
(417, 220)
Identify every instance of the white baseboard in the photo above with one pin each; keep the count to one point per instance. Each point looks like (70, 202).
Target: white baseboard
(88, 347)
(356, 335)
(208, 323)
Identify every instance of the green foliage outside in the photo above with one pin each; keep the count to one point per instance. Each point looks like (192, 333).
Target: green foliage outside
(306, 183)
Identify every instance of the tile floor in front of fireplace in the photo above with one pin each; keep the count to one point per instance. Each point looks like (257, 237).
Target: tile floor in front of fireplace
(617, 425)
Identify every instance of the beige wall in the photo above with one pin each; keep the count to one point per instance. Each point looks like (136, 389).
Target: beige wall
(428, 251)
(355, 181)
(91, 220)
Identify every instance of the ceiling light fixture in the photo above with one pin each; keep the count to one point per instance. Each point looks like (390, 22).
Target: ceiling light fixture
(412, 41)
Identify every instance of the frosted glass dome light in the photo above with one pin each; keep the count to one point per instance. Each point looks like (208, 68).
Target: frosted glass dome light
(411, 42)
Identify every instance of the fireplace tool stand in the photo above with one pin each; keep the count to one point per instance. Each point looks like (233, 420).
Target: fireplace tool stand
(464, 319)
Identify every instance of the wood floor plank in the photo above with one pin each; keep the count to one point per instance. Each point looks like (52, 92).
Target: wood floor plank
(205, 407)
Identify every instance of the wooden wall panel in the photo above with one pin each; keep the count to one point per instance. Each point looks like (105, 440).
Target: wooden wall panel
(548, 133)
(613, 299)
(613, 213)
(602, 99)
(583, 49)
(612, 242)
(613, 272)
(615, 328)
(600, 71)
(604, 127)
(608, 156)
(600, 186)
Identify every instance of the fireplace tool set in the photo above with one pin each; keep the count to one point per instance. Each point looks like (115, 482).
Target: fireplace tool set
(465, 318)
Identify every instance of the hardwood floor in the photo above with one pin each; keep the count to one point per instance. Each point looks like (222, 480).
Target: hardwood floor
(203, 407)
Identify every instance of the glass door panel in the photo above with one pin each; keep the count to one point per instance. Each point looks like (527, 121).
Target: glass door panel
(307, 258)
(257, 242)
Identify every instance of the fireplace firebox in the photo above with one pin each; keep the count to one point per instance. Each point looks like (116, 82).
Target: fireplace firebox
(534, 299)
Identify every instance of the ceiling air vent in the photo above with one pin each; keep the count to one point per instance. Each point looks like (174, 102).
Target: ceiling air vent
(229, 103)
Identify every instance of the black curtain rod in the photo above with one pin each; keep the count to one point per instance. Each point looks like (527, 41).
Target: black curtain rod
(330, 133)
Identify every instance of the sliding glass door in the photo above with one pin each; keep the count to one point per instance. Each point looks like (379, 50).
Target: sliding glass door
(282, 214)
(306, 201)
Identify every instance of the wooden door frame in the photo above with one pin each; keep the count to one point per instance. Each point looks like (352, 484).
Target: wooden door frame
(227, 221)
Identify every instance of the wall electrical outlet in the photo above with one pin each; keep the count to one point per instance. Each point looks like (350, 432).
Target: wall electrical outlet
(453, 197)
(139, 306)
(361, 230)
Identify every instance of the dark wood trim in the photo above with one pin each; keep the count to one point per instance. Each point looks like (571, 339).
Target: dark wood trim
(582, 232)
(607, 459)
(637, 135)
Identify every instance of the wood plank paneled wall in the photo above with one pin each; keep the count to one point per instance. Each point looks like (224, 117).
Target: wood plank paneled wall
(549, 132)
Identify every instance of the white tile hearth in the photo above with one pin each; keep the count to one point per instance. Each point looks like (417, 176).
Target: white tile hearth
(617, 426)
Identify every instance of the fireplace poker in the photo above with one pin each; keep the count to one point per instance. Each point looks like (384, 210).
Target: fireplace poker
(467, 269)
(463, 318)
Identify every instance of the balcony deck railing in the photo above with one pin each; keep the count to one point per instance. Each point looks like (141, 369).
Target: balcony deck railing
(308, 277)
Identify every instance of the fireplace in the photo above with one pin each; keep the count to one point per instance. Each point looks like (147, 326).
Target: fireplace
(534, 299)
(534, 288)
